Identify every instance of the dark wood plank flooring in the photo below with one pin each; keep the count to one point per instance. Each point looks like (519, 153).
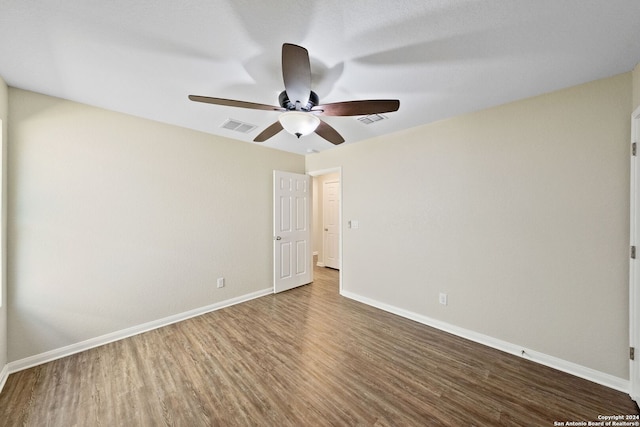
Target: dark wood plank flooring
(306, 357)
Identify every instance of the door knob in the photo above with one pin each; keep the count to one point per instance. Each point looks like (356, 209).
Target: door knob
(278, 238)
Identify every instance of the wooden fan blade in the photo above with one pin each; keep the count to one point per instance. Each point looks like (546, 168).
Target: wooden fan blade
(329, 133)
(296, 73)
(268, 132)
(358, 108)
(234, 103)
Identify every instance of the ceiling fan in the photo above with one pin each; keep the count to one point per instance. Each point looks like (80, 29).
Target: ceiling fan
(299, 105)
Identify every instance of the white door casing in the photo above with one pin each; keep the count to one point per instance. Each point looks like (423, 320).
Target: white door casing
(634, 273)
(292, 260)
(331, 224)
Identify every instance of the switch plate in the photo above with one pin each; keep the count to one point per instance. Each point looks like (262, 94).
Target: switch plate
(442, 298)
(354, 223)
(221, 282)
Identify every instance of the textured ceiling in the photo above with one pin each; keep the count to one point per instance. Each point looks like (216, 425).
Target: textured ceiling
(440, 58)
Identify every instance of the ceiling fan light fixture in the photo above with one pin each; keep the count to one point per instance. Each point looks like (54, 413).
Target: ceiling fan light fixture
(299, 123)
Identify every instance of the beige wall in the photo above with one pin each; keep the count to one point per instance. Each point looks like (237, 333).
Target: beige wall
(4, 106)
(519, 213)
(115, 221)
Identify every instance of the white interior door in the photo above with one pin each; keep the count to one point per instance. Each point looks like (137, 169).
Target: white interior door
(331, 224)
(292, 261)
(634, 273)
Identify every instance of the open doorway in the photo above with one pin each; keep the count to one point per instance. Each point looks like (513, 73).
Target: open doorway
(326, 223)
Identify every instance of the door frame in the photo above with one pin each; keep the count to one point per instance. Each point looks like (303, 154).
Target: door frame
(634, 272)
(338, 170)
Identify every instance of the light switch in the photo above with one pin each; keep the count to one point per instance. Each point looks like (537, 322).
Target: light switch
(354, 223)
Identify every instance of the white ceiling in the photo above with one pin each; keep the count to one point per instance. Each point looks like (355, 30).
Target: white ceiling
(440, 58)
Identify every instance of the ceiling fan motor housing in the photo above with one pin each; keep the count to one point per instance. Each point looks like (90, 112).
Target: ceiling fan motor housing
(291, 106)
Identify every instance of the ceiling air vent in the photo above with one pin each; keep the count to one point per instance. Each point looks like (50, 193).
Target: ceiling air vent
(371, 118)
(238, 126)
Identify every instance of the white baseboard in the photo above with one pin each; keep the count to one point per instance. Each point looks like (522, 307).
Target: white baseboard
(320, 264)
(59, 353)
(4, 374)
(598, 377)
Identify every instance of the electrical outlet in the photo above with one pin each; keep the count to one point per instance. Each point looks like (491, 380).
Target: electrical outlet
(221, 282)
(442, 298)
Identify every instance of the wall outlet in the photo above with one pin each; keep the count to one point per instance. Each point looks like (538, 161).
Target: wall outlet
(442, 298)
(221, 282)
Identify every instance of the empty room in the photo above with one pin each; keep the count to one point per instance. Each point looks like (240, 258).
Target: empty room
(294, 213)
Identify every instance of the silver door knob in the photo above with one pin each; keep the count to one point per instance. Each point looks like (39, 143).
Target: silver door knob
(278, 238)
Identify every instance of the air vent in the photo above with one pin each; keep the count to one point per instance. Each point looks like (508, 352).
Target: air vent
(371, 118)
(238, 126)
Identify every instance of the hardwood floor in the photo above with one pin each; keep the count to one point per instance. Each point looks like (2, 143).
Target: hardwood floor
(306, 357)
